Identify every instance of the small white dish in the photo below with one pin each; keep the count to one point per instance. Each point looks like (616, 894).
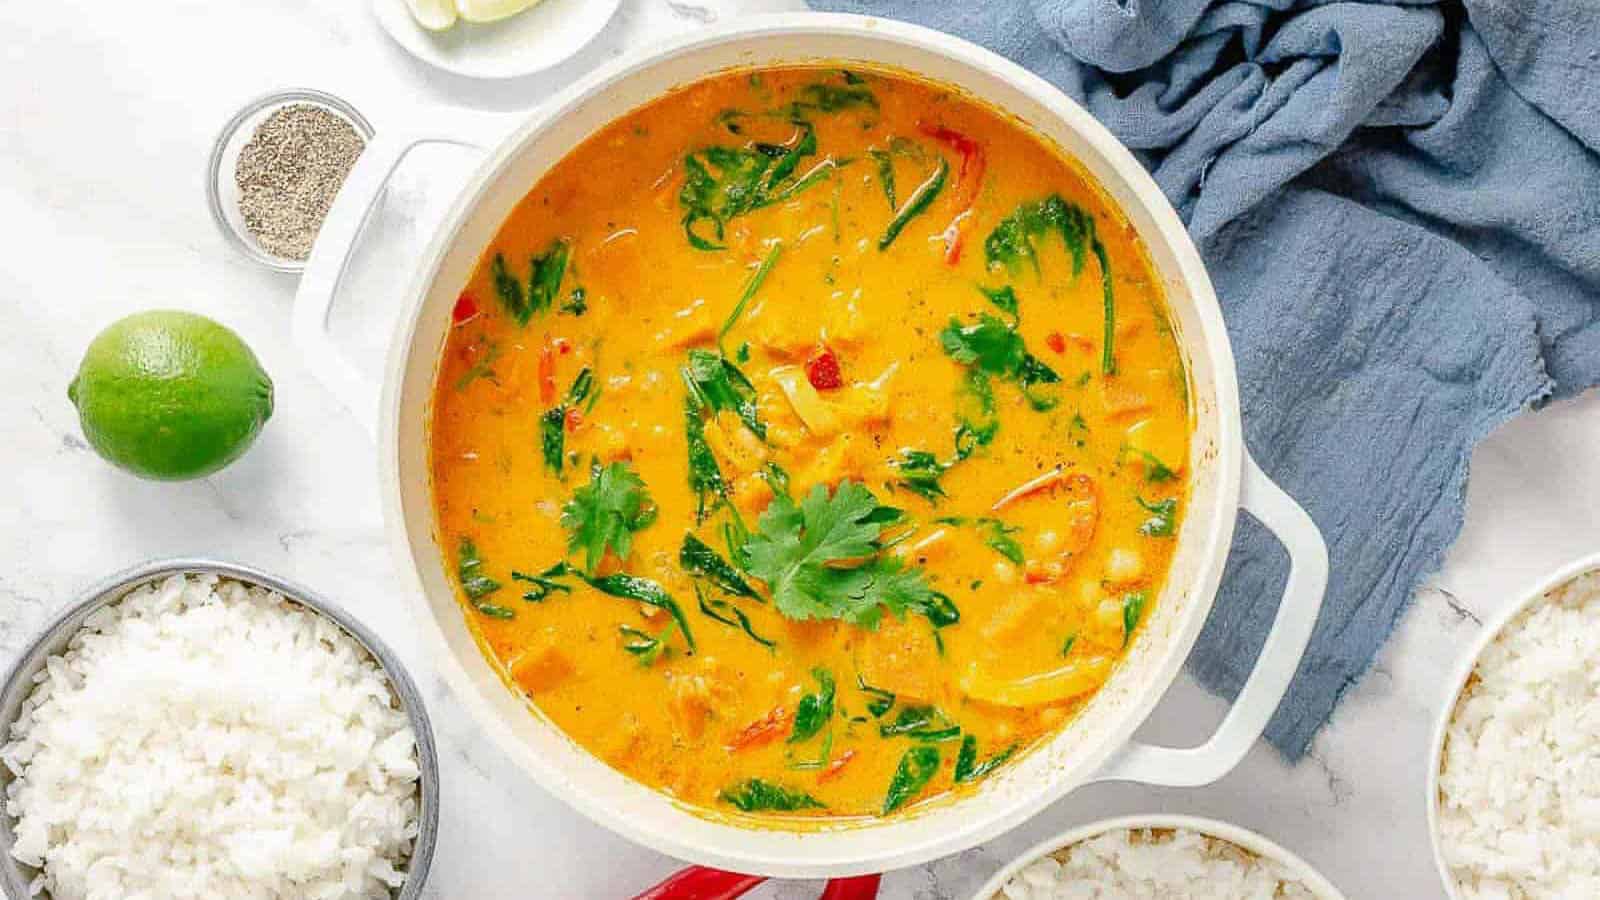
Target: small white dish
(1458, 683)
(531, 41)
(1233, 834)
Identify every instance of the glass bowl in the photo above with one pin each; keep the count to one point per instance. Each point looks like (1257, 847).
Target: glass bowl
(222, 193)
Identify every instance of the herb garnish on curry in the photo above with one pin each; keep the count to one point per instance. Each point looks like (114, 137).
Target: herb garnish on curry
(810, 442)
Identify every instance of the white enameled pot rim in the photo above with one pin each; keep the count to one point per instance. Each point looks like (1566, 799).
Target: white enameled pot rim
(649, 818)
(1234, 834)
(1465, 666)
(732, 852)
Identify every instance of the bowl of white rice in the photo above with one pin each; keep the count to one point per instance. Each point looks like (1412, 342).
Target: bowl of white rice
(1158, 857)
(1514, 778)
(195, 729)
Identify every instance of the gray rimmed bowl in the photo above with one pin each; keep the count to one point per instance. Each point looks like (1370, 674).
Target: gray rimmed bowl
(15, 877)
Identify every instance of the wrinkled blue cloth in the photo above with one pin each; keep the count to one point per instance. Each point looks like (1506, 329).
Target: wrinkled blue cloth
(1400, 206)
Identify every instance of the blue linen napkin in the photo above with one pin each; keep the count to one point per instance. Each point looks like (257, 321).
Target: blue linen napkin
(1399, 203)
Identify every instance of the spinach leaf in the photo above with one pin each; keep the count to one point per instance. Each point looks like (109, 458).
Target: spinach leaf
(606, 512)
(1004, 299)
(751, 285)
(1163, 516)
(728, 614)
(830, 98)
(756, 795)
(705, 476)
(881, 700)
(722, 183)
(924, 723)
(475, 584)
(553, 438)
(916, 204)
(920, 472)
(625, 587)
(577, 302)
(509, 289)
(814, 710)
(885, 164)
(483, 368)
(916, 769)
(998, 537)
(1155, 471)
(544, 583)
(716, 384)
(967, 766)
(548, 269)
(1014, 242)
(697, 558)
(1132, 611)
(469, 571)
(647, 647)
(995, 349)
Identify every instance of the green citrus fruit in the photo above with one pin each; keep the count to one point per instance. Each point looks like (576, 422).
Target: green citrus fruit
(170, 395)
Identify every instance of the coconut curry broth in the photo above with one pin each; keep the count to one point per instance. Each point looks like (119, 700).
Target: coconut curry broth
(782, 452)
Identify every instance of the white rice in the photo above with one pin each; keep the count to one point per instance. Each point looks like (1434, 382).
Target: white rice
(1519, 781)
(204, 739)
(1154, 864)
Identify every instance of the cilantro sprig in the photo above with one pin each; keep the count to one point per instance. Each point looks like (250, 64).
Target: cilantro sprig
(823, 559)
(606, 512)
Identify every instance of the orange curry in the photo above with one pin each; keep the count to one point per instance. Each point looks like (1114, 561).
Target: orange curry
(810, 442)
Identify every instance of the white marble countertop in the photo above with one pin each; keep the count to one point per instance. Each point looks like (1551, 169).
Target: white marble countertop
(108, 113)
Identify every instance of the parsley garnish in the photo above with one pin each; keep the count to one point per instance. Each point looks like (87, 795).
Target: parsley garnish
(822, 560)
(606, 512)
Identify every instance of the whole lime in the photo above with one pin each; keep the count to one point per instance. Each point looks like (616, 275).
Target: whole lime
(170, 395)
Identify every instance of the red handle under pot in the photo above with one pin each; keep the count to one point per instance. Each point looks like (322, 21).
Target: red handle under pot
(701, 883)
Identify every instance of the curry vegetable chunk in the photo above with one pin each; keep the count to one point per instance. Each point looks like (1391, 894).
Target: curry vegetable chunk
(810, 443)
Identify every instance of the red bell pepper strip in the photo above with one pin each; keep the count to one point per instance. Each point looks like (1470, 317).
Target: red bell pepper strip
(466, 308)
(968, 181)
(761, 731)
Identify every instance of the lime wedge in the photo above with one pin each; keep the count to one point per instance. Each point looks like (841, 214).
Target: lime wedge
(492, 10)
(434, 15)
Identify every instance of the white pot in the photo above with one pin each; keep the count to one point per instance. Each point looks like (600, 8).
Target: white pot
(1096, 747)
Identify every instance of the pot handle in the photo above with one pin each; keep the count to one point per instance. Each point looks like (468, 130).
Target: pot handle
(704, 883)
(1275, 667)
(336, 241)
